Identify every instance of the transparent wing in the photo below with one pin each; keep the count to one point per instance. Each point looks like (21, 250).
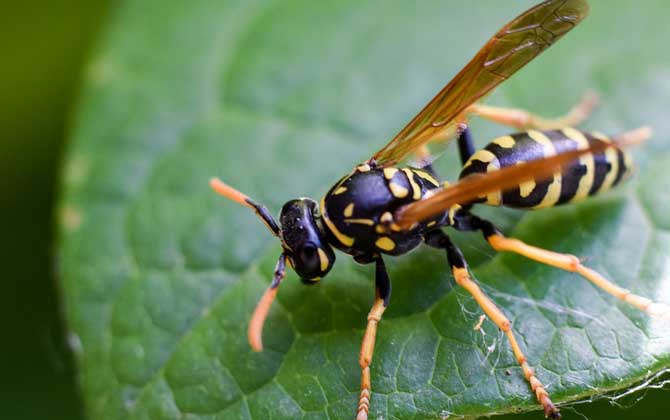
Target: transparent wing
(516, 44)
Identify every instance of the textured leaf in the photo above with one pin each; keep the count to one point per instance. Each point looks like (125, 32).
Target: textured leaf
(160, 276)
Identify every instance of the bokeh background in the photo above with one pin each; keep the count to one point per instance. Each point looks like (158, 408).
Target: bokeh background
(44, 45)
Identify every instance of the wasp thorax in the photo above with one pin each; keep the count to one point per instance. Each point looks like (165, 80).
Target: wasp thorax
(304, 241)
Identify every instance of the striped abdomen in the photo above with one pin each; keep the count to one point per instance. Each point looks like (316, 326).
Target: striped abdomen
(591, 174)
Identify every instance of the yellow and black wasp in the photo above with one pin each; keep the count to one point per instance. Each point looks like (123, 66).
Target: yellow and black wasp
(380, 208)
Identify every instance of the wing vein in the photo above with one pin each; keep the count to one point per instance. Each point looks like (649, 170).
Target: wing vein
(511, 48)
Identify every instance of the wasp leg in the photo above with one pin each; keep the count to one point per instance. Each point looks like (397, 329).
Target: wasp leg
(466, 147)
(524, 120)
(567, 262)
(382, 295)
(459, 268)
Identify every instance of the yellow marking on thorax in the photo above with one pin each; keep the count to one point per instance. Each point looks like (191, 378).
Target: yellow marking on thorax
(348, 210)
(385, 243)
(386, 222)
(368, 222)
(389, 172)
(554, 188)
(398, 191)
(345, 240)
(416, 190)
(506, 142)
(323, 259)
(425, 175)
(586, 181)
(340, 190)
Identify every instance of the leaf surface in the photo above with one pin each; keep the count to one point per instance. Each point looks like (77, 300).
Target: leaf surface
(280, 99)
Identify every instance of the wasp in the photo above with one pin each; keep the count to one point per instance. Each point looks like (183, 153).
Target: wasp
(386, 208)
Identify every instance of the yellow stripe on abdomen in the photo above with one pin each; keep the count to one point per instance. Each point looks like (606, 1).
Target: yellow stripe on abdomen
(553, 193)
(586, 181)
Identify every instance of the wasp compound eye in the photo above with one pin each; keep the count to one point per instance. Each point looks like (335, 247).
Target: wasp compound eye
(309, 257)
(313, 262)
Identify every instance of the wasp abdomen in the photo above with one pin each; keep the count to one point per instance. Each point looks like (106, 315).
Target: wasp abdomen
(589, 175)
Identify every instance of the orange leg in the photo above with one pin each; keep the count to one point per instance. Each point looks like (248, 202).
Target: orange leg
(255, 331)
(383, 292)
(572, 263)
(365, 358)
(495, 314)
(459, 269)
(525, 120)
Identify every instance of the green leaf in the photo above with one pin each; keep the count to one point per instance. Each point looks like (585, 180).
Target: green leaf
(280, 99)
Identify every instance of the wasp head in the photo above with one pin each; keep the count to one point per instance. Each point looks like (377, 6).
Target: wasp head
(304, 241)
(304, 246)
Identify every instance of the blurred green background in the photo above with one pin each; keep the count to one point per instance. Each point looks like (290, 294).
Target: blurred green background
(44, 46)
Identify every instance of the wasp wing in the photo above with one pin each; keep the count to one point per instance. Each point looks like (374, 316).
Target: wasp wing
(516, 44)
(477, 185)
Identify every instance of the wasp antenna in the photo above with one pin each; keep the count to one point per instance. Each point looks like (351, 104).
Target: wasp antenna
(255, 332)
(231, 193)
(635, 136)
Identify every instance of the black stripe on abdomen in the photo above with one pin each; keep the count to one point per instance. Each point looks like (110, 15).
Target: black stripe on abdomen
(602, 168)
(622, 167)
(567, 141)
(525, 149)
